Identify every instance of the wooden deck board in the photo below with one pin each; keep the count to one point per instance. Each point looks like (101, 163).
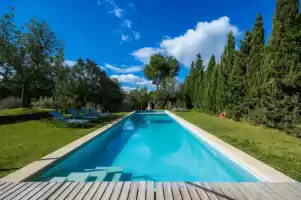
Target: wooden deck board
(145, 191)
(125, 191)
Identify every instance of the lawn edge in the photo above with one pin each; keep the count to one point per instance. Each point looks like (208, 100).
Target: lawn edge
(261, 170)
(32, 169)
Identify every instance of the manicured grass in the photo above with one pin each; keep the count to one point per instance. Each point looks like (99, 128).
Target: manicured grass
(276, 148)
(19, 111)
(23, 143)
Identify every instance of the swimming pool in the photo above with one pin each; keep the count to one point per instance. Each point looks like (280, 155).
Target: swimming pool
(147, 146)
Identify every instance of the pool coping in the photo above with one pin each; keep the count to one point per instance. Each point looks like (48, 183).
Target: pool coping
(37, 166)
(259, 169)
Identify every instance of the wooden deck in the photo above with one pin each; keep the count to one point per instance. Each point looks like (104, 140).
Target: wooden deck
(148, 190)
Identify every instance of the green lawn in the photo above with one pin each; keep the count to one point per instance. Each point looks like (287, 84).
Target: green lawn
(23, 143)
(18, 111)
(275, 148)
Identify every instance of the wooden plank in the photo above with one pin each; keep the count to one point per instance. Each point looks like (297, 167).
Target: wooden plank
(167, 191)
(236, 192)
(54, 194)
(218, 192)
(101, 190)
(210, 192)
(280, 190)
(141, 190)
(257, 193)
(83, 191)
(9, 187)
(225, 191)
(89, 195)
(108, 193)
(175, 191)
(184, 191)
(150, 190)
(42, 191)
(270, 194)
(291, 188)
(19, 190)
(35, 190)
(245, 191)
(76, 190)
(67, 191)
(192, 191)
(117, 191)
(133, 191)
(3, 186)
(200, 190)
(125, 191)
(27, 190)
(10, 190)
(159, 191)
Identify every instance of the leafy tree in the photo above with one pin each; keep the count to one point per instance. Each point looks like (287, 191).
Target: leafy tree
(161, 67)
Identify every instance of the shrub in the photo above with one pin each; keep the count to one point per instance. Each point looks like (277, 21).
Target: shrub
(10, 102)
(44, 103)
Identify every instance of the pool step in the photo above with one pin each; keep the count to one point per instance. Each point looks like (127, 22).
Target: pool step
(78, 176)
(116, 176)
(100, 175)
(58, 179)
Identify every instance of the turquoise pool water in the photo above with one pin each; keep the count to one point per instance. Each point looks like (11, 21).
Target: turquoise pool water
(147, 146)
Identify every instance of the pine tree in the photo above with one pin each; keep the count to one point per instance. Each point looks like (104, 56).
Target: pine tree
(282, 60)
(237, 79)
(226, 66)
(189, 84)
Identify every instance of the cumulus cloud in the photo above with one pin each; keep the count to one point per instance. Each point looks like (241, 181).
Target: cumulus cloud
(145, 53)
(127, 89)
(124, 69)
(131, 78)
(206, 38)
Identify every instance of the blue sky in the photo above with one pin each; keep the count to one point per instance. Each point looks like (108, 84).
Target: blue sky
(121, 35)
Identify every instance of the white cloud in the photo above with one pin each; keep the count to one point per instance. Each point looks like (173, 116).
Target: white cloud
(124, 37)
(127, 23)
(207, 38)
(136, 35)
(127, 89)
(125, 69)
(70, 63)
(98, 2)
(145, 53)
(117, 12)
(131, 78)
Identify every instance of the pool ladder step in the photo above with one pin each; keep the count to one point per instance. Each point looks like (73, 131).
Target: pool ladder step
(97, 174)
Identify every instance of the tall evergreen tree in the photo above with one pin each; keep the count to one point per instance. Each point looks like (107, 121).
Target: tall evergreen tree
(226, 66)
(254, 72)
(209, 85)
(282, 60)
(237, 79)
(198, 83)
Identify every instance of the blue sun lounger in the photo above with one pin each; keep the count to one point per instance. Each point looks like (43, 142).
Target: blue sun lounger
(75, 115)
(74, 122)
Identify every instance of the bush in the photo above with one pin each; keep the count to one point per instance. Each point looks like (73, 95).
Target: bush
(10, 102)
(46, 103)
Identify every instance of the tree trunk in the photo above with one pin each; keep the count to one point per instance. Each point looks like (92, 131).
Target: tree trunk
(22, 97)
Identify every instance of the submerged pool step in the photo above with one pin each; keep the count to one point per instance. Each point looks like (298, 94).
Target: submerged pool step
(78, 176)
(58, 179)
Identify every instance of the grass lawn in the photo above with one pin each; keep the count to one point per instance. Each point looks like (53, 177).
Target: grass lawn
(23, 143)
(18, 111)
(275, 148)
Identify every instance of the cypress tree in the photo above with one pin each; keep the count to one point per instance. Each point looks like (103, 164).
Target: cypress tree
(190, 83)
(281, 62)
(237, 79)
(198, 84)
(209, 85)
(226, 66)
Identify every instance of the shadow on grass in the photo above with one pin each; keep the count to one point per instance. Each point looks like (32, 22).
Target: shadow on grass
(9, 169)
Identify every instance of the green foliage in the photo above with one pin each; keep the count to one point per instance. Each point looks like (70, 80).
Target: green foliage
(32, 66)
(259, 83)
(161, 67)
(140, 98)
